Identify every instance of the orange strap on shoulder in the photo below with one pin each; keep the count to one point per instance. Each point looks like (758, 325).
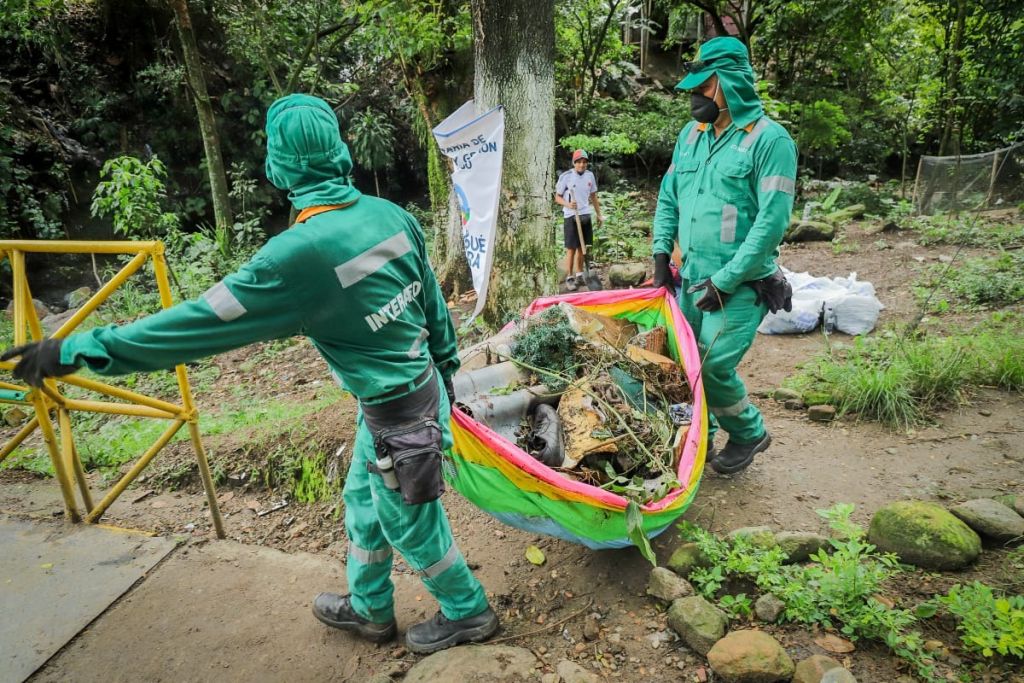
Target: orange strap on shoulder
(311, 211)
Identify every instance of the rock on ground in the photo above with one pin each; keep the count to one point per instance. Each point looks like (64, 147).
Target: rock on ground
(627, 274)
(814, 668)
(800, 545)
(750, 657)
(571, 672)
(699, 623)
(685, 559)
(759, 536)
(838, 676)
(769, 608)
(667, 586)
(992, 519)
(475, 664)
(822, 413)
(924, 534)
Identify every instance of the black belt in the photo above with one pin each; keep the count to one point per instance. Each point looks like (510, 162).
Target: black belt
(405, 388)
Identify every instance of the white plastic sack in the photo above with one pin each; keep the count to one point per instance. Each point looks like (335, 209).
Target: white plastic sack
(843, 303)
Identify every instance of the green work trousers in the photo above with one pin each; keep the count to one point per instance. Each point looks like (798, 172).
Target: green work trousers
(723, 337)
(377, 520)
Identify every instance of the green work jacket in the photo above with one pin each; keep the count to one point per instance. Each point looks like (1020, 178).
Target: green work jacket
(355, 280)
(727, 201)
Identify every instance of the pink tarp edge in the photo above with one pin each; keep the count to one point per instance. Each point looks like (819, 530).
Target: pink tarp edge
(691, 359)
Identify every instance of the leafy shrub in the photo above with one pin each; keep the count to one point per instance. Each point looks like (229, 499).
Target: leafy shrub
(131, 192)
(988, 623)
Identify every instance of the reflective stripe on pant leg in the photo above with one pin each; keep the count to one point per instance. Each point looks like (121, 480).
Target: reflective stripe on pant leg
(368, 566)
(423, 537)
(730, 410)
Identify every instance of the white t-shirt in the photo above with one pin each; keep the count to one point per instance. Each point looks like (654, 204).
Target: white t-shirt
(579, 185)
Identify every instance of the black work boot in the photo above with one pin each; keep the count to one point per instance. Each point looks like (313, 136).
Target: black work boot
(738, 456)
(440, 632)
(336, 610)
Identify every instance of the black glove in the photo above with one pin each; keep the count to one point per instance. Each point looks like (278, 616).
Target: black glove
(713, 298)
(449, 388)
(773, 290)
(39, 360)
(663, 274)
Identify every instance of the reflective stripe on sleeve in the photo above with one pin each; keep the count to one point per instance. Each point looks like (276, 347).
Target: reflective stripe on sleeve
(369, 556)
(729, 215)
(779, 183)
(223, 302)
(753, 135)
(694, 134)
(414, 350)
(445, 563)
(731, 411)
(373, 259)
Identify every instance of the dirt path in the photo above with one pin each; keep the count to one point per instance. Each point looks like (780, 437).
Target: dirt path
(220, 611)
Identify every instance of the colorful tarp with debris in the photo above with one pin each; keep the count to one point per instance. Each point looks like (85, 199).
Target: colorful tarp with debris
(503, 480)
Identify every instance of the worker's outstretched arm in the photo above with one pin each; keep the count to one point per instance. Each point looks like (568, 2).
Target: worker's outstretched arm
(253, 304)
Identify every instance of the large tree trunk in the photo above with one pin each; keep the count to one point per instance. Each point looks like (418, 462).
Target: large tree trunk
(207, 123)
(514, 47)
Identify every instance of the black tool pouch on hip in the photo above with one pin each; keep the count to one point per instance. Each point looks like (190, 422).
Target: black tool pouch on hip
(406, 432)
(416, 456)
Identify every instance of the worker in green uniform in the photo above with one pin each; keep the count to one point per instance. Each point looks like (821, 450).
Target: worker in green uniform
(352, 275)
(727, 198)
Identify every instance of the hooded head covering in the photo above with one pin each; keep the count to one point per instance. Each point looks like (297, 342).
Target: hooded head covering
(305, 153)
(729, 59)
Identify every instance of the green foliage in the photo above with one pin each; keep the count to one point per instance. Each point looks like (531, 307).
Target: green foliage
(900, 382)
(988, 623)
(373, 140)
(834, 590)
(610, 144)
(588, 41)
(635, 530)
(986, 281)
(131, 192)
(822, 128)
(737, 606)
(549, 343)
(626, 232)
(973, 231)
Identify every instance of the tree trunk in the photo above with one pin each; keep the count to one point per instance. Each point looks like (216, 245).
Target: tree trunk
(514, 47)
(207, 123)
(953, 77)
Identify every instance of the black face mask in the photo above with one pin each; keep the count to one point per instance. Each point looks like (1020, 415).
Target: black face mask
(704, 109)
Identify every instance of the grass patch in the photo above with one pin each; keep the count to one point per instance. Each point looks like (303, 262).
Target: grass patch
(626, 232)
(971, 231)
(901, 382)
(106, 443)
(981, 282)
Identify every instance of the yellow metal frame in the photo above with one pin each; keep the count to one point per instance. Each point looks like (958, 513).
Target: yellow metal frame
(49, 400)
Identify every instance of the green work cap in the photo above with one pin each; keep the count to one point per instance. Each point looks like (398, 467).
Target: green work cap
(718, 54)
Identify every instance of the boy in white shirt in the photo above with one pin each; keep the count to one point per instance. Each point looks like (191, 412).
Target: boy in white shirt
(576, 191)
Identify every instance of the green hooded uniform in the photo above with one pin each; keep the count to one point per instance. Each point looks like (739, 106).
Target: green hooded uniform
(355, 280)
(727, 201)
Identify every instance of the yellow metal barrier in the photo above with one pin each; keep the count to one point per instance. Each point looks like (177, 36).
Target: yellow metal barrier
(49, 400)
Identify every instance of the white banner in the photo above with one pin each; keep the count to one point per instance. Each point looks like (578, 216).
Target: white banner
(475, 145)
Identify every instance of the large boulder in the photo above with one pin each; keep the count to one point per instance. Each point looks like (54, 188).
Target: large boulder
(699, 623)
(667, 586)
(838, 676)
(750, 657)
(627, 274)
(991, 519)
(475, 664)
(686, 558)
(814, 668)
(924, 534)
(800, 545)
(571, 672)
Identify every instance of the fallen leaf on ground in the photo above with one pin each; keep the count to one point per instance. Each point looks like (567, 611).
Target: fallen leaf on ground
(535, 555)
(831, 643)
